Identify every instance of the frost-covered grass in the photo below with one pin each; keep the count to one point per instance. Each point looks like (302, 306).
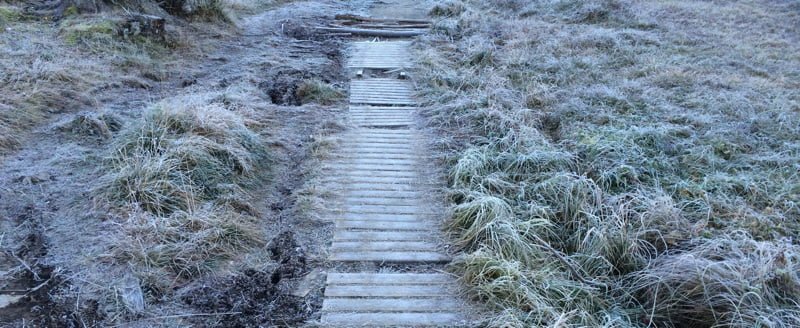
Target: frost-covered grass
(622, 163)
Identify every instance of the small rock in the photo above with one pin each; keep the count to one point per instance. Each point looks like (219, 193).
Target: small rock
(34, 179)
(130, 292)
(311, 281)
(188, 82)
(136, 83)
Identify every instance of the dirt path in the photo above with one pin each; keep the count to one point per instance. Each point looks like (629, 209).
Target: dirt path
(386, 219)
(49, 218)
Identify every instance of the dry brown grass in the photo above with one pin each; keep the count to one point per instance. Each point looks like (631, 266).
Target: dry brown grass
(600, 143)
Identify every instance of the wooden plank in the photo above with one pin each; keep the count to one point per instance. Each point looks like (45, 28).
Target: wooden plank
(408, 115)
(381, 80)
(383, 134)
(383, 119)
(381, 99)
(382, 225)
(407, 305)
(386, 186)
(373, 166)
(396, 61)
(383, 123)
(386, 92)
(388, 290)
(408, 217)
(401, 111)
(376, 167)
(383, 180)
(381, 102)
(380, 150)
(381, 246)
(387, 99)
(381, 209)
(386, 33)
(347, 235)
(407, 132)
(349, 154)
(382, 193)
(350, 200)
(378, 138)
(401, 61)
(392, 114)
(361, 278)
(390, 257)
(366, 141)
(376, 65)
(377, 152)
(380, 145)
(382, 113)
(378, 90)
(380, 43)
(388, 89)
(381, 108)
(351, 179)
(376, 173)
(396, 85)
(375, 161)
(391, 319)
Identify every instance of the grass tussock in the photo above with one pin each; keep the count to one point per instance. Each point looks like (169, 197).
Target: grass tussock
(181, 175)
(315, 91)
(606, 172)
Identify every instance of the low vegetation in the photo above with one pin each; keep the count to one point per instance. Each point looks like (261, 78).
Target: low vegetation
(621, 163)
(180, 177)
(178, 184)
(315, 91)
(49, 71)
(164, 153)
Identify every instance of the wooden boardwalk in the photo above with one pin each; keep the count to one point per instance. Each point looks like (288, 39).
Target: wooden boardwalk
(385, 215)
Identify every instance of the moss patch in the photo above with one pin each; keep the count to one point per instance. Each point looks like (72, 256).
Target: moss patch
(74, 33)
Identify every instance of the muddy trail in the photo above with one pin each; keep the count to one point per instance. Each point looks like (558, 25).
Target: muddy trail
(57, 267)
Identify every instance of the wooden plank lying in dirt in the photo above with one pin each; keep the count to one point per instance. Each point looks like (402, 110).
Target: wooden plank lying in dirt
(372, 32)
(357, 18)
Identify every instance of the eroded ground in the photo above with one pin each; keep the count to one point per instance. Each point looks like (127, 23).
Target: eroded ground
(66, 252)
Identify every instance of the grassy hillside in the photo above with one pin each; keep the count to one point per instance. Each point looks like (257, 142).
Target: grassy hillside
(622, 163)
